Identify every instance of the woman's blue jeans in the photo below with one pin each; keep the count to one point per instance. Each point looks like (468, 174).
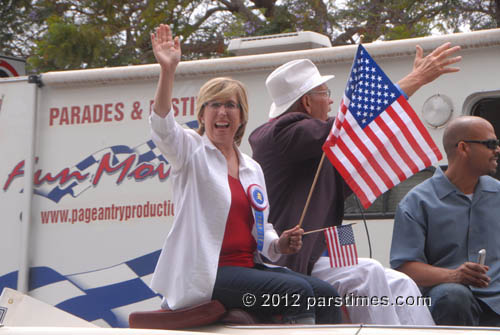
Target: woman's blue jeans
(269, 291)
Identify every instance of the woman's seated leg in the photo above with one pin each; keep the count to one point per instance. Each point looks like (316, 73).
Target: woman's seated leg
(267, 291)
(326, 298)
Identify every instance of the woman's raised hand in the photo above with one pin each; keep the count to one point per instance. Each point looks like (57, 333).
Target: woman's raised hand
(167, 50)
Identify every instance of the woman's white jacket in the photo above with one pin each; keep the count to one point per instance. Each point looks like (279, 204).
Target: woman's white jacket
(187, 267)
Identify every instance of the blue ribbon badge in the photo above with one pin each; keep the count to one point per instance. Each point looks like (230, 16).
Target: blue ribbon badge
(259, 204)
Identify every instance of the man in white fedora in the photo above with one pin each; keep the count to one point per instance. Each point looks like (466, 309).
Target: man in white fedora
(289, 149)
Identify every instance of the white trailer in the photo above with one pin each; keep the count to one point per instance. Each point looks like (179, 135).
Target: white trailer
(83, 233)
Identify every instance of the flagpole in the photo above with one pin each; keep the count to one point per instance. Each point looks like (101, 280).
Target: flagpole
(323, 229)
(311, 190)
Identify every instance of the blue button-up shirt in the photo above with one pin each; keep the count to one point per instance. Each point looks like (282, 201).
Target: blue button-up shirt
(439, 225)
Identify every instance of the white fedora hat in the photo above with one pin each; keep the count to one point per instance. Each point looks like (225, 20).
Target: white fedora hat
(290, 81)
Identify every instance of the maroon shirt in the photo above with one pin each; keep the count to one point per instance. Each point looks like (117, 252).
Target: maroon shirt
(289, 150)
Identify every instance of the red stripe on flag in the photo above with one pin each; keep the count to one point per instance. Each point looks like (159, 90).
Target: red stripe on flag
(348, 253)
(385, 154)
(343, 111)
(368, 155)
(337, 125)
(420, 126)
(395, 143)
(408, 135)
(337, 246)
(333, 243)
(346, 175)
(328, 238)
(343, 252)
(351, 253)
(358, 167)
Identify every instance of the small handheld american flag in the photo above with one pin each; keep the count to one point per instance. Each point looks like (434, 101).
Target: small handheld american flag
(377, 139)
(341, 246)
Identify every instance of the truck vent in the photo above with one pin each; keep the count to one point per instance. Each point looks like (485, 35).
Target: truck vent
(278, 43)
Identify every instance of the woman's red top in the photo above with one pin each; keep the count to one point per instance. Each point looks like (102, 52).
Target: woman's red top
(238, 245)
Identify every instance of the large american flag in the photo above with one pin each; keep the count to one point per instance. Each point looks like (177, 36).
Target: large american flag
(377, 139)
(341, 246)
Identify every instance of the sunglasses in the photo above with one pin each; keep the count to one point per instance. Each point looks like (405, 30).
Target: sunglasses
(490, 144)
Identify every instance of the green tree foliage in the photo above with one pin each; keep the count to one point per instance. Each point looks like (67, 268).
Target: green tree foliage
(73, 34)
(16, 29)
(475, 14)
(97, 33)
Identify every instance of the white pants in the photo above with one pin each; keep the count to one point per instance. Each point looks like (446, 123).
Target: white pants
(370, 279)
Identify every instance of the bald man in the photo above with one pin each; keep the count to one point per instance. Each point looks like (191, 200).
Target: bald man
(442, 223)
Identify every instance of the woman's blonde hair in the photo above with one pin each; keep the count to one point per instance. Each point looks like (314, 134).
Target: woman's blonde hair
(223, 88)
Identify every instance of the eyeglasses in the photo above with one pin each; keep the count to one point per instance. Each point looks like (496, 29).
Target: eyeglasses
(325, 92)
(230, 106)
(490, 144)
